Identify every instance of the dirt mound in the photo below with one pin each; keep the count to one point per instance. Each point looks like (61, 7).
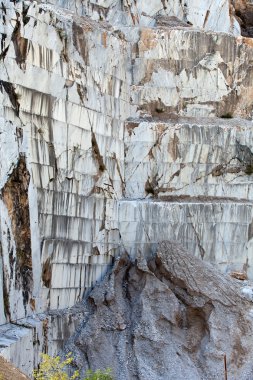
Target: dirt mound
(9, 372)
(172, 317)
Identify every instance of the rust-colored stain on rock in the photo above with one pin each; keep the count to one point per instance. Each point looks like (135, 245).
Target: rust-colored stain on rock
(15, 197)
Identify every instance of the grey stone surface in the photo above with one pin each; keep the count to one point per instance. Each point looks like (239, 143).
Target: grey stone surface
(22, 341)
(170, 317)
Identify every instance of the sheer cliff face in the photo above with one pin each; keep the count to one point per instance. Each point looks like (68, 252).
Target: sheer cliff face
(216, 15)
(105, 102)
(65, 95)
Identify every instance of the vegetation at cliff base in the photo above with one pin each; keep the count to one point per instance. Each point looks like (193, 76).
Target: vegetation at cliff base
(53, 368)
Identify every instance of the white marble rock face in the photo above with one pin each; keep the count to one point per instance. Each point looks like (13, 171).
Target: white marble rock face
(108, 110)
(70, 112)
(214, 230)
(194, 157)
(191, 73)
(215, 15)
(68, 86)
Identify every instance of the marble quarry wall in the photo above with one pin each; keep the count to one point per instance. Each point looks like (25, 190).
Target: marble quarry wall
(215, 230)
(66, 117)
(121, 124)
(193, 157)
(216, 15)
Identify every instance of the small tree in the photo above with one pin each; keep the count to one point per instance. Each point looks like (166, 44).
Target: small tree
(53, 368)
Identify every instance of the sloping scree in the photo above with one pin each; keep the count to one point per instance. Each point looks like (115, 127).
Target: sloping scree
(172, 317)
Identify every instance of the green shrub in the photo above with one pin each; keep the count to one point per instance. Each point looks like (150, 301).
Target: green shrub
(53, 368)
(99, 375)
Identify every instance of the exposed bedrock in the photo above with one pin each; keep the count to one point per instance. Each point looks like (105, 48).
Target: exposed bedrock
(217, 15)
(169, 317)
(186, 72)
(70, 127)
(23, 340)
(189, 156)
(214, 230)
(121, 123)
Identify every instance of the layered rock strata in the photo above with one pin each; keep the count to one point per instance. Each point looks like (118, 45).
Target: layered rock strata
(23, 341)
(121, 123)
(188, 156)
(216, 15)
(215, 230)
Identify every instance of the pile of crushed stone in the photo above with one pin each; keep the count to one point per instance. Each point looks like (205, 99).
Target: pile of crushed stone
(170, 317)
